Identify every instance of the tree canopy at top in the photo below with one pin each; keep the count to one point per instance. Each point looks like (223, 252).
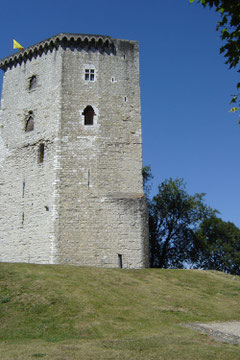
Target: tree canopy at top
(229, 27)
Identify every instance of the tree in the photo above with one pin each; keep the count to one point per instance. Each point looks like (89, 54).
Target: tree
(173, 218)
(217, 246)
(229, 27)
(147, 176)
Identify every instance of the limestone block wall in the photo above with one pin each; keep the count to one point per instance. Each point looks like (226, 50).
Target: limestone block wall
(101, 165)
(81, 200)
(27, 190)
(108, 227)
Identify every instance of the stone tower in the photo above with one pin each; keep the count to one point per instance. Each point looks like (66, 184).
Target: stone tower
(71, 154)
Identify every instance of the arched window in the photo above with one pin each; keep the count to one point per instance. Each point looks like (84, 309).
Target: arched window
(88, 115)
(29, 122)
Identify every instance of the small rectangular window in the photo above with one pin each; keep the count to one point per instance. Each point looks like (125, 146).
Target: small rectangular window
(89, 74)
(41, 153)
(120, 265)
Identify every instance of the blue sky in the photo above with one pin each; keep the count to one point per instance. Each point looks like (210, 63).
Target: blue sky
(185, 85)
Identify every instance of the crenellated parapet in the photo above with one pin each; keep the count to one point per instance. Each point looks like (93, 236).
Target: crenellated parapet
(65, 40)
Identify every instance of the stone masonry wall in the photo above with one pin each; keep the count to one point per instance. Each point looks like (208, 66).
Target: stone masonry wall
(27, 190)
(102, 164)
(83, 203)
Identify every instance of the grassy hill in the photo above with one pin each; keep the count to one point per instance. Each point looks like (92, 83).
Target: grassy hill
(68, 313)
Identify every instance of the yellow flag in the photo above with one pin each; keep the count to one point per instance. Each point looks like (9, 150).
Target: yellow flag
(16, 45)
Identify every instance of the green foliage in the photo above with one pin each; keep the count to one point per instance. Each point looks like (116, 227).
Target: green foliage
(173, 218)
(217, 246)
(229, 27)
(147, 176)
(182, 229)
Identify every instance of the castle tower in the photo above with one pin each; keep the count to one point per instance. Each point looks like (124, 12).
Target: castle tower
(71, 154)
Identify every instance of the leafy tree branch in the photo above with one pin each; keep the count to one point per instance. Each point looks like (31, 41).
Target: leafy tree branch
(229, 28)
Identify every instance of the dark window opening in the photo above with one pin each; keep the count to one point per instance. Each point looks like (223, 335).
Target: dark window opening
(32, 82)
(89, 74)
(23, 190)
(41, 153)
(86, 74)
(47, 208)
(88, 115)
(29, 122)
(92, 75)
(22, 218)
(88, 178)
(120, 265)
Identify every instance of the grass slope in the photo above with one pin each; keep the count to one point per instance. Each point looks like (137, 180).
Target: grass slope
(68, 313)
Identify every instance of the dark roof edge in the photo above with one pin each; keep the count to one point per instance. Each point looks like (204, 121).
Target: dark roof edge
(100, 41)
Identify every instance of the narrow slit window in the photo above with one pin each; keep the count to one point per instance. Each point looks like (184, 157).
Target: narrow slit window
(41, 153)
(88, 115)
(87, 74)
(92, 75)
(120, 264)
(88, 178)
(32, 82)
(23, 189)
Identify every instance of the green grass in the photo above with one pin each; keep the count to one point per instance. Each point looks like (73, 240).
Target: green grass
(68, 313)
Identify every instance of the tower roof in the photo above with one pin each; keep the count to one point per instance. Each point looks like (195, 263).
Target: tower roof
(101, 42)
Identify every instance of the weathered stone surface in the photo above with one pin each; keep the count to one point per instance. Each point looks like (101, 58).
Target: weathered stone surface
(82, 201)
